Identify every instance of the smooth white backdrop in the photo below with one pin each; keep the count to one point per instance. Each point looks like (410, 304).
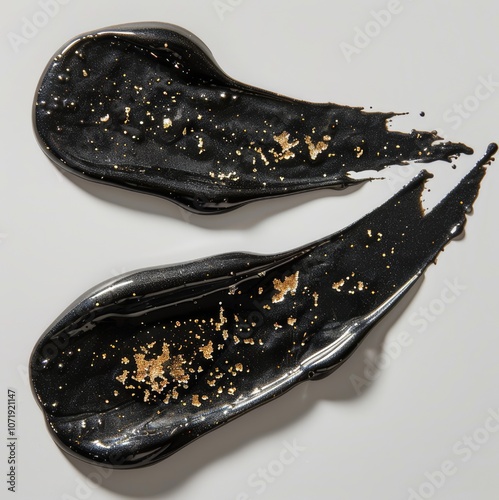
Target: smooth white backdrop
(436, 372)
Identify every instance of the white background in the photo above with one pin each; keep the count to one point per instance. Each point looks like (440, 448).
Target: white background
(60, 235)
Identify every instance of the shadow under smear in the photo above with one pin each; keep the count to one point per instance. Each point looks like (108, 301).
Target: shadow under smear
(165, 477)
(243, 217)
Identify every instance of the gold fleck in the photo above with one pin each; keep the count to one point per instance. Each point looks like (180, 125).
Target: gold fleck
(230, 175)
(231, 391)
(239, 367)
(207, 350)
(127, 114)
(151, 369)
(291, 321)
(85, 73)
(289, 285)
(176, 371)
(200, 145)
(283, 141)
(125, 360)
(167, 123)
(121, 378)
(360, 285)
(315, 295)
(195, 400)
(337, 286)
(105, 118)
(358, 151)
(316, 149)
(262, 155)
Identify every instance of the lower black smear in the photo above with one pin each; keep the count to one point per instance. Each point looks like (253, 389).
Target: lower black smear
(143, 364)
(145, 107)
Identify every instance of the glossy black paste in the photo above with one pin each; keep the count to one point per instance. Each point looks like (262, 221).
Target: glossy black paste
(145, 363)
(146, 107)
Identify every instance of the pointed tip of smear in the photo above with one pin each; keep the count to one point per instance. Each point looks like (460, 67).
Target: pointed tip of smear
(470, 184)
(459, 202)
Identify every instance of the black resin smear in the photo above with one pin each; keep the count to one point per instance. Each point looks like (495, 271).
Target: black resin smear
(146, 107)
(143, 364)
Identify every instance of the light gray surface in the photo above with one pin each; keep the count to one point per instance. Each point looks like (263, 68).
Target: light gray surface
(60, 236)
